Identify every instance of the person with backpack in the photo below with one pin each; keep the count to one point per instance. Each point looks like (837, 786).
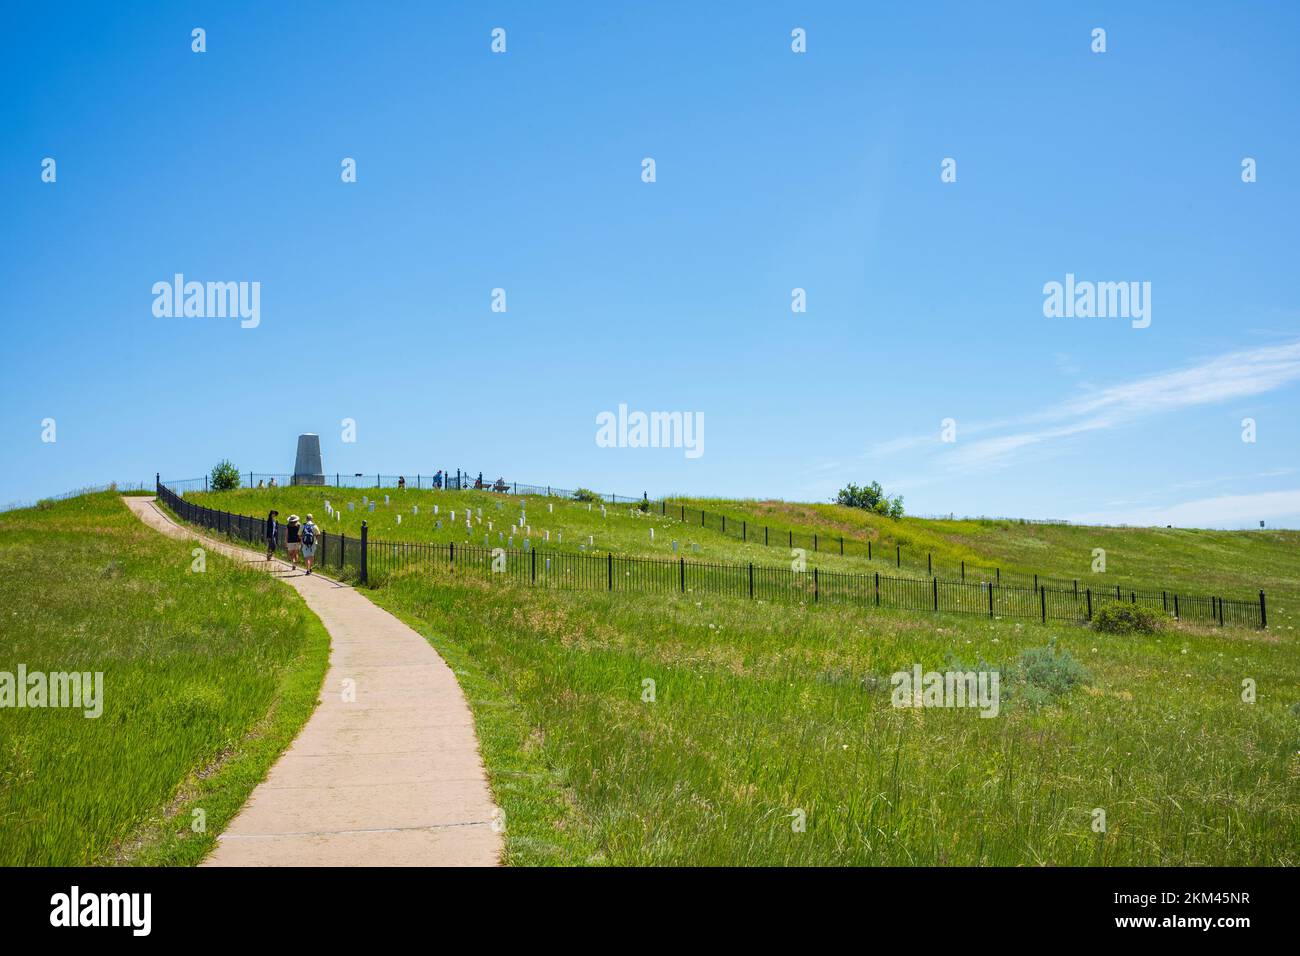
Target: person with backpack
(272, 533)
(309, 532)
(293, 539)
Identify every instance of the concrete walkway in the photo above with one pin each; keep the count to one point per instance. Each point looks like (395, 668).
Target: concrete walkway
(392, 777)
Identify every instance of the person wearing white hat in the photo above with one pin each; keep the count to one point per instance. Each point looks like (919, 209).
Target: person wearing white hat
(293, 539)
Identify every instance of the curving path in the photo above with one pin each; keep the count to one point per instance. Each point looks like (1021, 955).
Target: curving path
(392, 778)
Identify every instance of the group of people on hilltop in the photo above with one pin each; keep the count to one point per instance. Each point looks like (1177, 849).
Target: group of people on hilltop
(439, 480)
(299, 538)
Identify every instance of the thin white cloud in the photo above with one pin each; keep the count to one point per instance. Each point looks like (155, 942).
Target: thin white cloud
(1235, 375)
(1223, 511)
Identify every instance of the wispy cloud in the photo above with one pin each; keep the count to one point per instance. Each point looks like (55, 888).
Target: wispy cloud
(1235, 375)
(1223, 511)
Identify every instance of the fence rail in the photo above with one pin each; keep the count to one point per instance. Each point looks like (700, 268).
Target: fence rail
(123, 486)
(740, 529)
(372, 561)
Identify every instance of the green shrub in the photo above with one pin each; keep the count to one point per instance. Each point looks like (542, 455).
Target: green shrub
(1039, 676)
(225, 476)
(586, 494)
(870, 498)
(1043, 674)
(1126, 619)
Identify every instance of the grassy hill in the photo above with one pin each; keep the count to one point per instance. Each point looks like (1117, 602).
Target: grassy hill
(206, 678)
(762, 713)
(1232, 564)
(763, 716)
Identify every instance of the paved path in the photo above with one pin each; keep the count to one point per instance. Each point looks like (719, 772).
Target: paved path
(391, 779)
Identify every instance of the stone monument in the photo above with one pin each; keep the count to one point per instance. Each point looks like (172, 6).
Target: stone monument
(307, 467)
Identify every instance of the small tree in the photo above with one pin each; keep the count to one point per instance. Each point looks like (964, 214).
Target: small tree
(870, 498)
(224, 477)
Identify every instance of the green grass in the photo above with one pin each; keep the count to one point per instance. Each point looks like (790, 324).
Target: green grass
(207, 677)
(760, 712)
(1232, 564)
(765, 710)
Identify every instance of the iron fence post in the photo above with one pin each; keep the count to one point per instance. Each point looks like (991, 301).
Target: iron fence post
(1090, 604)
(365, 534)
(1263, 611)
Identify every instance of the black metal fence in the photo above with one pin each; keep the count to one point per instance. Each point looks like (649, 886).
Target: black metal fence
(443, 480)
(371, 562)
(122, 486)
(741, 529)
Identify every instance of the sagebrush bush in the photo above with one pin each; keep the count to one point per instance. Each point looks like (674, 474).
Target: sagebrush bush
(1126, 619)
(1044, 673)
(586, 494)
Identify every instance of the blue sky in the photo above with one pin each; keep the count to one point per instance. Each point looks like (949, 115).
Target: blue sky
(775, 170)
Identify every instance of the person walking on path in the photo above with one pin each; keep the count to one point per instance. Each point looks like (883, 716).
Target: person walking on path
(293, 539)
(309, 532)
(272, 533)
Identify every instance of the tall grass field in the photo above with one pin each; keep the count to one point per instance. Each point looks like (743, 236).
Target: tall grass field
(694, 729)
(207, 676)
